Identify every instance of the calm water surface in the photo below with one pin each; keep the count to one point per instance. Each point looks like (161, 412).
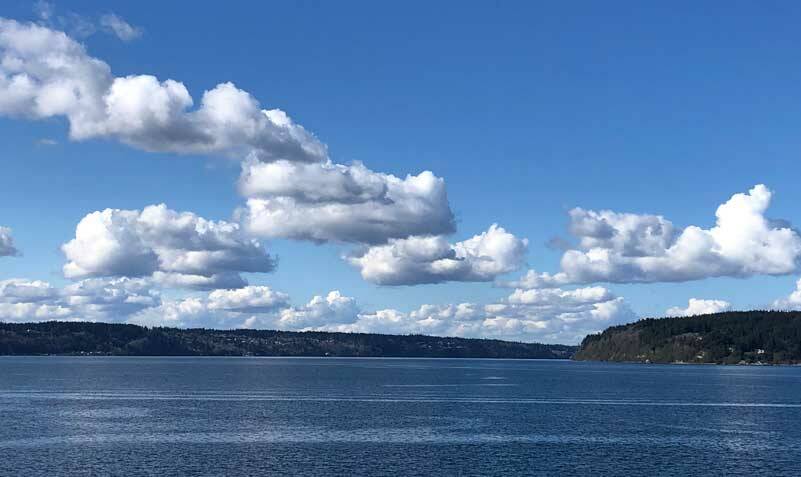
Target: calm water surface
(327, 416)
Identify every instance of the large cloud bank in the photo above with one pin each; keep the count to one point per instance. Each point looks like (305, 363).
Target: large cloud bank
(553, 315)
(565, 316)
(293, 190)
(90, 300)
(559, 316)
(628, 248)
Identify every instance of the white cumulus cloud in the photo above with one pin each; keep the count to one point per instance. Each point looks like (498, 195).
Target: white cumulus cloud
(697, 306)
(333, 202)
(248, 299)
(791, 301)
(93, 299)
(292, 188)
(111, 299)
(224, 308)
(18, 290)
(26, 312)
(191, 312)
(629, 248)
(431, 259)
(176, 248)
(333, 308)
(569, 298)
(45, 73)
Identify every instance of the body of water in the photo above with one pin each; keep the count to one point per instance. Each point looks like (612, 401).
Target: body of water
(331, 416)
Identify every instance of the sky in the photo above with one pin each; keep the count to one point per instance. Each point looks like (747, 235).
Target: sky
(513, 170)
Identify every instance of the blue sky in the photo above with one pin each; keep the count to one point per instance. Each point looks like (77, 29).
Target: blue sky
(525, 110)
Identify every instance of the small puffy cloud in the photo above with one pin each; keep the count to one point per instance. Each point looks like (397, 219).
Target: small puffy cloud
(697, 306)
(790, 302)
(629, 248)
(463, 319)
(333, 308)
(558, 316)
(432, 259)
(381, 321)
(251, 299)
(533, 279)
(7, 247)
(176, 248)
(116, 25)
(199, 282)
(189, 312)
(570, 298)
(45, 73)
(333, 202)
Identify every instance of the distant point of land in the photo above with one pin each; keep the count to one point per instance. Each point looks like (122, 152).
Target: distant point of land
(743, 337)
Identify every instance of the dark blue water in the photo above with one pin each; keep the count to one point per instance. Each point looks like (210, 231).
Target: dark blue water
(277, 416)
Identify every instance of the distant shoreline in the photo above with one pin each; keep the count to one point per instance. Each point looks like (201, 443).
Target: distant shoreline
(57, 338)
(681, 363)
(2, 356)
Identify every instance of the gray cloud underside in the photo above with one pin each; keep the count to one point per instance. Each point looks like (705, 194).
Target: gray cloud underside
(325, 202)
(7, 247)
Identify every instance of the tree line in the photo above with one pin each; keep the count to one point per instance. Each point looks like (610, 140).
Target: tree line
(741, 337)
(84, 338)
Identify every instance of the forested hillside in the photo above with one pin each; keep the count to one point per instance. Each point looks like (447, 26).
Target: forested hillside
(729, 338)
(75, 338)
